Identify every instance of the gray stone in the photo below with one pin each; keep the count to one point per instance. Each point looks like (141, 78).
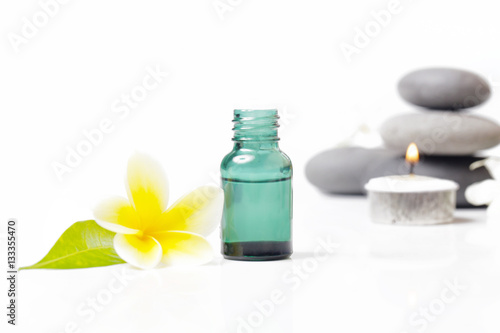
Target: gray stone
(440, 133)
(454, 168)
(347, 170)
(444, 88)
(340, 170)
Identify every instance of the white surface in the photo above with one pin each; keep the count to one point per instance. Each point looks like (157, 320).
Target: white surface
(410, 184)
(66, 82)
(374, 280)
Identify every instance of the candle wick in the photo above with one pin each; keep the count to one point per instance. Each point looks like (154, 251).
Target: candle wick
(412, 166)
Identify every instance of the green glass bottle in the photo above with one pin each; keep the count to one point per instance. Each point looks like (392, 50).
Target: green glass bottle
(257, 183)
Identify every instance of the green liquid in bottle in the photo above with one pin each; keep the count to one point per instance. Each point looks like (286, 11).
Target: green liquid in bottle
(257, 219)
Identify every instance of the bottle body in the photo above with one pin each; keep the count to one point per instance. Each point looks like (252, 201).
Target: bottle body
(257, 183)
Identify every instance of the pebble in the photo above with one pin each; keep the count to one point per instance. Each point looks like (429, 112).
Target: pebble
(440, 133)
(444, 89)
(339, 170)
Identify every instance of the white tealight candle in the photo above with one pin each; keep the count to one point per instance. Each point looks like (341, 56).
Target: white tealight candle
(411, 199)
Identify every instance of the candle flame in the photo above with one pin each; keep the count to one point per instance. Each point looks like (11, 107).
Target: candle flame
(412, 155)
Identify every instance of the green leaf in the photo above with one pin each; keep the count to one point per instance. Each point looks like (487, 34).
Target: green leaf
(84, 244)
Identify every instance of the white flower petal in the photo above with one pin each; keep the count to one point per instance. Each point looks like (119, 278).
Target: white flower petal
(117, 215)
(199, 212)
(184, 248)
(143, 252)
(483, 193)
(119, 229)
(492, 164)
(147, 189)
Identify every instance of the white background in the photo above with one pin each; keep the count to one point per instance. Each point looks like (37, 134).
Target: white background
(285, 54)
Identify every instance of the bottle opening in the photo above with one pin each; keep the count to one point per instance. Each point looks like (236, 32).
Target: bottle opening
(255, 125)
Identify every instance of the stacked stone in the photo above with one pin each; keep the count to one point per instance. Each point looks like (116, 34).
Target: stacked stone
(448, 137)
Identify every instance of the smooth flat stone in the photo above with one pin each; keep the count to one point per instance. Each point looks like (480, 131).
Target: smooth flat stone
(440, 133)
(454, 168)
(339, 170)
(444, 88)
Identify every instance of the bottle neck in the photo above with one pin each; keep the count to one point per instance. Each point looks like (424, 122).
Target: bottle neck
(256, 128)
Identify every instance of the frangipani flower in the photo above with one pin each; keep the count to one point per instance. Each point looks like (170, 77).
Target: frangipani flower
(147, 233)
(486, 192)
